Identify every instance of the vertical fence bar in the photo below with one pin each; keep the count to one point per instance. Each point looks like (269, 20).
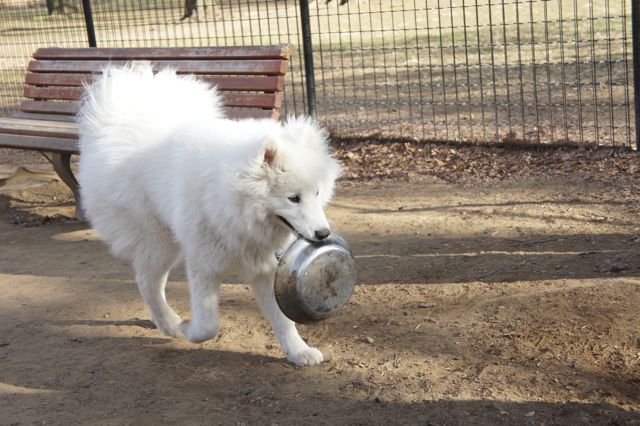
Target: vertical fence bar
(307, 51)
(88, 20)
(635, 29)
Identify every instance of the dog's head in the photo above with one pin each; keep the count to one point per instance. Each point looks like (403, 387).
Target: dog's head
(300, 175)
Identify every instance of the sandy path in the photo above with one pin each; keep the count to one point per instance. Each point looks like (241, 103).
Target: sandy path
(511, 303)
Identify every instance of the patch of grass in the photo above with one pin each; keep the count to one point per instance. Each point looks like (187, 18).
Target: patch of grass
(526, 69)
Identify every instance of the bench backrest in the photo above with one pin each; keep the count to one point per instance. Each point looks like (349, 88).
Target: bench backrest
(251, 79)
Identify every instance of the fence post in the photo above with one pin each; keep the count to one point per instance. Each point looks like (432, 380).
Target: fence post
(307, 50)
(635, 30)
(88, 20)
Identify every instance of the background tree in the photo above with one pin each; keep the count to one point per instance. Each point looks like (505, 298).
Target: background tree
(191, 6)
(60, 6)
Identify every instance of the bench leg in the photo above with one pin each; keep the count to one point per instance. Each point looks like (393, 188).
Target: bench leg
(62, 166)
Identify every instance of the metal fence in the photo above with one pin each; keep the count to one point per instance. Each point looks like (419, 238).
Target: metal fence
(540, 71)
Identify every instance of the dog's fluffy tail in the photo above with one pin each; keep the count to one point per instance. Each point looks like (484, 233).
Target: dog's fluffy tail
(134, 100)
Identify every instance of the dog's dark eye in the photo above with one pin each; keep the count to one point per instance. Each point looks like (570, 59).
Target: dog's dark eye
(317, 192)
(294, 199)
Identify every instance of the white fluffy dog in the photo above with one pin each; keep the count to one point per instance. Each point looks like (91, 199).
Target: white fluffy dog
(164, 174)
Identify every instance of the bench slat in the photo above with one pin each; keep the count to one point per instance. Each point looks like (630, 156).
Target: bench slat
(247, 67)
(253, 100)
(38, 143)
(59, 93)
(69, 130)
(223, 82)
(240, 113)
(45, 117)
(56, 129)
(47, 107)
(247, 100)
(230, 52)
(260, 83)
(51, 79)
(70, 109)
(40, 122)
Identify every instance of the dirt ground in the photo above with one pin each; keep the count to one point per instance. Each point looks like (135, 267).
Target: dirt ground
(502, 291)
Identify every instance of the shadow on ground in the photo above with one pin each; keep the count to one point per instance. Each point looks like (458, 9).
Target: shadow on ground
(165, 385)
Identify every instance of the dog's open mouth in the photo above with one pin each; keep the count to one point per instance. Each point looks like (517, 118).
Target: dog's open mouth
(289, 225)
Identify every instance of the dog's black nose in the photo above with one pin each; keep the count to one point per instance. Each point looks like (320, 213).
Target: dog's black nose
(323, 233)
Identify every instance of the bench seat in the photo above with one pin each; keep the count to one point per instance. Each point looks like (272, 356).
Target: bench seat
(250, 80)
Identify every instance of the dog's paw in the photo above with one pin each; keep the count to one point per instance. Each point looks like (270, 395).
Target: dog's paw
(168, 330)
(197, 334)
(307, 356)
(169, 326)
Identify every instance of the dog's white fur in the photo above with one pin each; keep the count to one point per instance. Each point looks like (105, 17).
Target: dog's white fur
(163, 173)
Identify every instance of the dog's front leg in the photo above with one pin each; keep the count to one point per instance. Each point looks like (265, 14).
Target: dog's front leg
(297, 351)
(204, 286)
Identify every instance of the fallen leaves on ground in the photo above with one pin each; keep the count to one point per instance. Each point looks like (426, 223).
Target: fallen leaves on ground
(465, 164)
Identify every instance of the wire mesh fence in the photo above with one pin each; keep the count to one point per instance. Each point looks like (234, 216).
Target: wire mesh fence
(541, 71)
(470, 70)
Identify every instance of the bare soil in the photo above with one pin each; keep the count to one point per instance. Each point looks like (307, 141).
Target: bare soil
(497, 286)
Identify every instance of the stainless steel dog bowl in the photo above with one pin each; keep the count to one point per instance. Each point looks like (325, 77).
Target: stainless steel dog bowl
(315, 279)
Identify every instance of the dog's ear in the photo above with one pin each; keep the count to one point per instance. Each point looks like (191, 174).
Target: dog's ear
(269, 156)
(269, 151)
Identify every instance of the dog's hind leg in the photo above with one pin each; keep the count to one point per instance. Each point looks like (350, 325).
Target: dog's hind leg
(152, 261)
(297, 351)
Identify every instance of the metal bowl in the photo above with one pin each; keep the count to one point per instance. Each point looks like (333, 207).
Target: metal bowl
(315, 279)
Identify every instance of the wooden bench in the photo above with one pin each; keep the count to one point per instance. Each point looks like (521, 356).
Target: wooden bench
(251, 80)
